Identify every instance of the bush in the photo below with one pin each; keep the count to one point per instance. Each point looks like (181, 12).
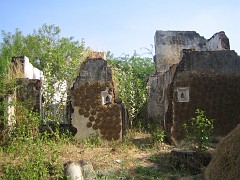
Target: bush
(159, 136)
(35, 158)
(199, 129)
(29, 152)
(132, 75)
(94, 140)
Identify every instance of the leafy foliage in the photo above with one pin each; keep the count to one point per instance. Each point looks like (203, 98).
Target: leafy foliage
(159, 136)
(59, 58)
(41, 46)
(199, 129)
(94, 140)
(36, 162)
(46, 49)
(132, 75)
(36, 152)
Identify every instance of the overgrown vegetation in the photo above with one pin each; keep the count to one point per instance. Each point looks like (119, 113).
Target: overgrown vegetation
(199, 130)
(132, 74)
(33, 148)
(28, 152)
(32, 142)
(58, 57)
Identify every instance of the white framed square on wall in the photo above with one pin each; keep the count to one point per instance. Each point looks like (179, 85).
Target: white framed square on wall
(183, 94)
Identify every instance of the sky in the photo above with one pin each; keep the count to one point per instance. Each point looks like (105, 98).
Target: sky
(123, 26)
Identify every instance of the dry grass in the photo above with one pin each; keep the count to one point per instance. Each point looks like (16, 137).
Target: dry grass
(116, 157)
(137, 158)
(15, 71)
(226, 161)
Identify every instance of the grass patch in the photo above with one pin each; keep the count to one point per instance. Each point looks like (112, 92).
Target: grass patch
(139, 157)
(31, 157)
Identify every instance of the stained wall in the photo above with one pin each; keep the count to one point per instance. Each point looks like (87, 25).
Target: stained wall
(212, 79)
(169, 44)
(93, 102)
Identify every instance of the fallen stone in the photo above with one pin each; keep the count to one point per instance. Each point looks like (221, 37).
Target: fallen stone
(188, 159)
(79, 170)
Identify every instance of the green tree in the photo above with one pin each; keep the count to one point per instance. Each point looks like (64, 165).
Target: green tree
(132, 75)
(43, 46)
(12, 44)
(58, 57)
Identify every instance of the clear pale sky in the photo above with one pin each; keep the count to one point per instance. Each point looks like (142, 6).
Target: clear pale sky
(123, 26)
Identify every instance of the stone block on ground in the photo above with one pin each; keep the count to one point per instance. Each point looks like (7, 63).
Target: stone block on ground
(79, 170)
(192, 160)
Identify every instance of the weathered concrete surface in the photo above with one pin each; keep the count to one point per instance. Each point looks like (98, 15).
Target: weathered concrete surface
(220, 62)
(160, 97)
(28, 71)
(213, 80)
(182, 56)
(156, 99)
(218, 41)
(9, 112)
(29, 93)
(169, 44)
(93, 102)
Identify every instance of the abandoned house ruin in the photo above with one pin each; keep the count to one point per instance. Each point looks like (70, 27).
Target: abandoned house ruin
(194, 73)
(28, 91)
(93, 101)
(92, 107)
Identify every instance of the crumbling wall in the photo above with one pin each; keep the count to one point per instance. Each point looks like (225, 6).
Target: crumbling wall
(170, 47)
(155, 99)
(9, 111)
(159, 103)
(218, 41)
(29, 83)
(28, 71)
(29, 92)
(169, 44)
(212, 79)
(92, 97)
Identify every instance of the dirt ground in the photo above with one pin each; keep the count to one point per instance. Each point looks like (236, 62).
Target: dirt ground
(138, 157)
(117, 157)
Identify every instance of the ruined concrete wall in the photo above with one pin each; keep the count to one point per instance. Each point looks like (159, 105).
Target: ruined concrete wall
(9, 111)
(27, 90)
(92, 96)
(159, 101)
(213, 82)
(169, 49)
(28, 71)
(29, 93)
(218, 41)
(29, 82)
(169, 44)
(155, 101)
